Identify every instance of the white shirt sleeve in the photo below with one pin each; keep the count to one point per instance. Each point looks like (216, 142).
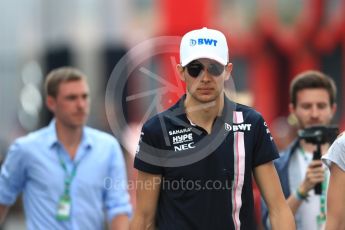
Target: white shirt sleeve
(336, 154)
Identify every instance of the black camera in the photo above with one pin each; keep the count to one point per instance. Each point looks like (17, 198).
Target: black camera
(318, 135)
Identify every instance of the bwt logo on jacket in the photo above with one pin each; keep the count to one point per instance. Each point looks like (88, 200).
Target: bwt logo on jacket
(203, 41)
(239, 127)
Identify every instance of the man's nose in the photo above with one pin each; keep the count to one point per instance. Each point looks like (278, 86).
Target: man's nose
(81, 102)
(315, 112)
(205, 76)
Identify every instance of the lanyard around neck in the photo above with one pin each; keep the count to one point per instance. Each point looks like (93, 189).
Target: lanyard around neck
(322, 216)
(304, 155)
(69, 176)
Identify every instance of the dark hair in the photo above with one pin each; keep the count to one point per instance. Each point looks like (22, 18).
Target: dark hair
(312, 80)
(59, 75)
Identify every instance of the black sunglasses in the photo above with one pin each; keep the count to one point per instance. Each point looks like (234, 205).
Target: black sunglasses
(194, 69)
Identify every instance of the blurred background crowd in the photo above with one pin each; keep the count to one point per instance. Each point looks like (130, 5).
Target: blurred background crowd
(270, 41)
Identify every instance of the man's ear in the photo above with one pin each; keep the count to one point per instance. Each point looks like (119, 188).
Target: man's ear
(334, 108)
(180, 71)
(228, 69)
(51, 103)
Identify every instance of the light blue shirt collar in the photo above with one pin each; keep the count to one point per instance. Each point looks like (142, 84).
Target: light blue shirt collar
(52, 139)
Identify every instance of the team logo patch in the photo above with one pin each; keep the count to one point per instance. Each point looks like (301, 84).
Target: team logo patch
(182, 139)
(239, 127)
(203, 41)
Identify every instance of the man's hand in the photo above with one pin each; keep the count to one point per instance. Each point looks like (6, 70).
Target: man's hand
(120, 222)
(148, 189)
(313, 176)
(268, 182)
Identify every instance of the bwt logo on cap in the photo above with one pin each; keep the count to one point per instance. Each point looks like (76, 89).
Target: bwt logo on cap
(203, 41)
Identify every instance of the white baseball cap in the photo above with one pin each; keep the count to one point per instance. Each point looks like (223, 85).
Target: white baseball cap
(204, 43)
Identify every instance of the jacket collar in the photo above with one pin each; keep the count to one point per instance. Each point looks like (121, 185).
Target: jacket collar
(177, 113)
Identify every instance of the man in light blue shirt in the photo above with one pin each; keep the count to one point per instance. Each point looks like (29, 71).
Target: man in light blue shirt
(70, 175)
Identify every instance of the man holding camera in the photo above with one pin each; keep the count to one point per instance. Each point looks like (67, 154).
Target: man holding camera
(313, 103)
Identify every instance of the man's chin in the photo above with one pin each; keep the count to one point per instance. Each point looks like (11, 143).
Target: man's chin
(206, 98)
(78, 124)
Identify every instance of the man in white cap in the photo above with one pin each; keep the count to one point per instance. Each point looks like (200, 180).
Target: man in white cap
(195, 160)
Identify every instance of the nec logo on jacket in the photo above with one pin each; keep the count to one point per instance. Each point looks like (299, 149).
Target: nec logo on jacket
(203, 41)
